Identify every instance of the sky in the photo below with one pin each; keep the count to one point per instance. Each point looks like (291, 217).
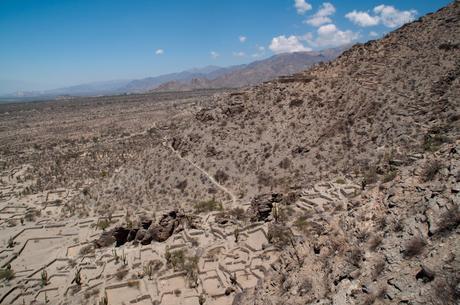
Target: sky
(53, 43)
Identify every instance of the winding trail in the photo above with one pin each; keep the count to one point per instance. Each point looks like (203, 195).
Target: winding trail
(204, 172)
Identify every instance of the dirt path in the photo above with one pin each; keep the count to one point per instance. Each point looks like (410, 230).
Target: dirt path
(204, 172)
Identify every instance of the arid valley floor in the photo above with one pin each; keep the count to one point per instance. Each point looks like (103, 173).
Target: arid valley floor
(337, 185)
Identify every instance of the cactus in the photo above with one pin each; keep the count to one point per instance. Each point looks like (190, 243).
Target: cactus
(10, 242)
(201, 299)
(276, 212)
(148, 270)
(44, 278)
(236, 233)
(115, 255)
(77, 277)
(104, 300)
(123, 257)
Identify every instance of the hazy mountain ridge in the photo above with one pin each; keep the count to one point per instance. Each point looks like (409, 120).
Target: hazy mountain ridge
(209, 77)
(256, 72)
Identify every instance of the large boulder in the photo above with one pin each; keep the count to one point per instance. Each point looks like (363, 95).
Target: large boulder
(167, 225)
(261, 206)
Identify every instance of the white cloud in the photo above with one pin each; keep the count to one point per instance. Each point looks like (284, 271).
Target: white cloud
(330, 36)
(387, 15)
(302, 6)
(322, 15)
(214, 54)
(239, 54)
(362, 18)
(159, 52)
(373, 34)
(392, 17)
(242, 38)
(283, 44)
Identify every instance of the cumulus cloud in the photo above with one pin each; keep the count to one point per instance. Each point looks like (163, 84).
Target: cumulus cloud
(242, 38)
(362, 18)
(159, 52)
(392, 17)
(322, 15)
(330, 36)
(283, 44)
(387, 15)
(214, 54)
(302, 6)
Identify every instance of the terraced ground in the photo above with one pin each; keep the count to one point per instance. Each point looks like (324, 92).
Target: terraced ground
(38, 242)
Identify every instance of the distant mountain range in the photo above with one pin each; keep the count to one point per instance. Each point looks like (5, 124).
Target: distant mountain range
(198, 78)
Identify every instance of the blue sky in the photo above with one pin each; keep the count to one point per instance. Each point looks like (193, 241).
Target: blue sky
(52, 43)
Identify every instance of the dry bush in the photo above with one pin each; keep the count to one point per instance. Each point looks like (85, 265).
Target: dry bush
(86, 250)
(375, 241)
(379, 267)
(414, 247)
(389, 176)
(430, 170)
(355, 256)
(446, 290)
(449, 221)
(121, 274)
(370, 176)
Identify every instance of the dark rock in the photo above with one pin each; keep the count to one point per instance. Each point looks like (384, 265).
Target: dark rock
(121, 235)
(425, 274)
(229, 290)
(261, 206)
(295, 103)
(166, 226)
(105, 240)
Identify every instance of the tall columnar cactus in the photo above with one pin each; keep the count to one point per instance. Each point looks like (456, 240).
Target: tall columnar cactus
(276, 212)
(115, 255)
(44, 277)
(77, 277)
(124, 258)
(104, 300)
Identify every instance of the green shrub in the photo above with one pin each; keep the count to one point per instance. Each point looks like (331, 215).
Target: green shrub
(6, 274)
(389, 176)
(208, 206)
(301, 223)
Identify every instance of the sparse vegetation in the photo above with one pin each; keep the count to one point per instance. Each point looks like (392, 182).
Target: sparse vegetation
(431, 170)
(208, 206)
(6, 273)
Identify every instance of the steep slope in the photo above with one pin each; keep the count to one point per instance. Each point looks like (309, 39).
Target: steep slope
(383, 114)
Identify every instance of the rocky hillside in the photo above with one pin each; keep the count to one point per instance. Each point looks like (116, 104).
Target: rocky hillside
(377, 115)
(349, 171)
